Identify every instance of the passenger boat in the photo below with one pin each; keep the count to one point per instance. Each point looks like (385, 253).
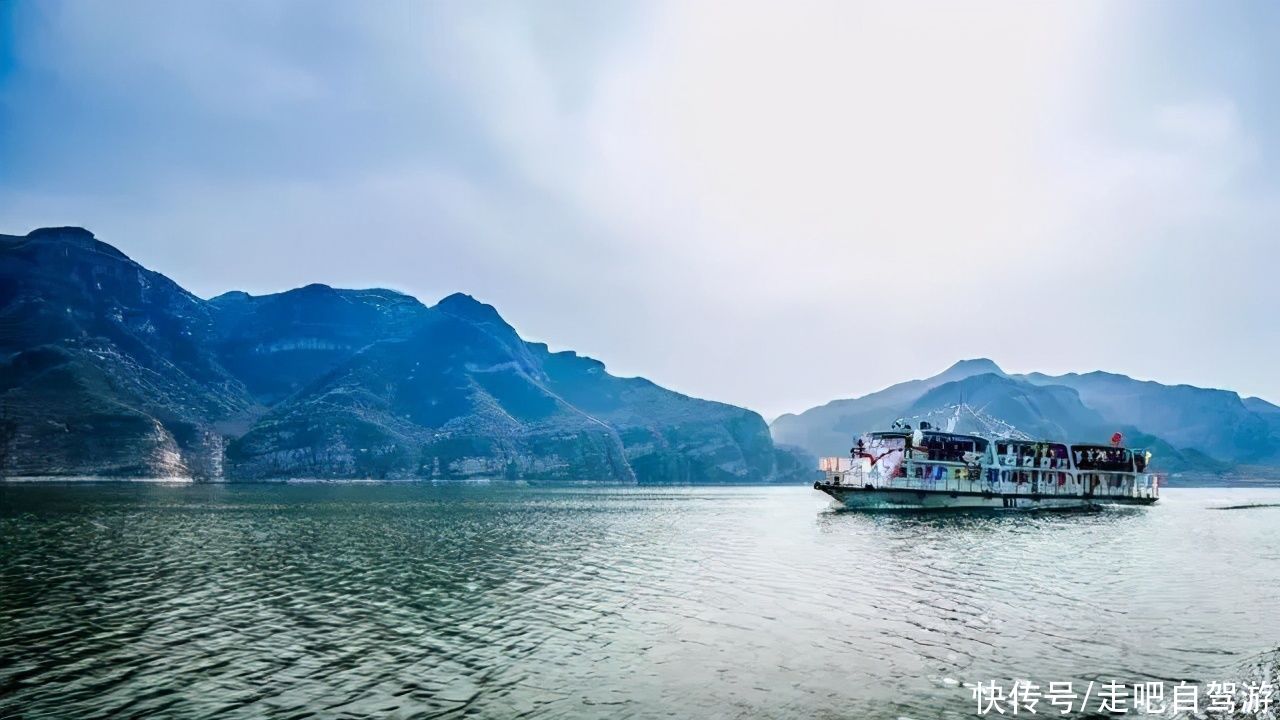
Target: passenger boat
(906, 469)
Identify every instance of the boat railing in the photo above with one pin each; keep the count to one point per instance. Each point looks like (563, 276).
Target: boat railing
(957, 477)
(1033, 462)
(1149, 484)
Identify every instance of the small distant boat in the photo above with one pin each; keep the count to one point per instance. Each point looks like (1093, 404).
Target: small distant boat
(921, 469)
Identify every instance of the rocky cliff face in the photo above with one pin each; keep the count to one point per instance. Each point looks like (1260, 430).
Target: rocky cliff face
(107, 368)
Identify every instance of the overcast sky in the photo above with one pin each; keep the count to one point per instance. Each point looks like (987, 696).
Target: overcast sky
(767, 204)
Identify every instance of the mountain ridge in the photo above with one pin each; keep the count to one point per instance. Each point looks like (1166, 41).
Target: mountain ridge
(113, 370)
(1196, 430)
(108, 368)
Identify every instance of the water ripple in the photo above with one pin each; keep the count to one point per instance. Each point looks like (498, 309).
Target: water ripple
(317, 600)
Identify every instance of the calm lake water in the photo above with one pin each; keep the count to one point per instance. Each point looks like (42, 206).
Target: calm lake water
(414, 600)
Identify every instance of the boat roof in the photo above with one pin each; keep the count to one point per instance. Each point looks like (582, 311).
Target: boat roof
(953, 436)
(1098, 446)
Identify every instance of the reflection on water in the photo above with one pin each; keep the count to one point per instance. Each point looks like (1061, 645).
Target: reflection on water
(413, 600)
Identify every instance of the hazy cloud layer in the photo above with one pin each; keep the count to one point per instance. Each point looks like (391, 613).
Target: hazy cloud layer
(768, 204)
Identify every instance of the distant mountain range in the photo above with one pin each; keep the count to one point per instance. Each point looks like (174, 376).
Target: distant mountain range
(110, 369)
(1189, 430)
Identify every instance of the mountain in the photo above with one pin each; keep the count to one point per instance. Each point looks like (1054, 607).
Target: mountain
(1260, 406)
(110, 369)
(104, 366)
(1036, 411)
(460, 396)
(829, 429)
(279, 343)
(415, 407)
(1188, 429)
(1217, 420)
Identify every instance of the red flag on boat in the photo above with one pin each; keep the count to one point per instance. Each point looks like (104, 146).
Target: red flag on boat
(1116, 439)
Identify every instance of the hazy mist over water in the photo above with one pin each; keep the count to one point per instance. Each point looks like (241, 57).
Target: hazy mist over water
(416, 600)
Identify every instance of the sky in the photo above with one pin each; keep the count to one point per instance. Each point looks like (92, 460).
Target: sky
(768, 204)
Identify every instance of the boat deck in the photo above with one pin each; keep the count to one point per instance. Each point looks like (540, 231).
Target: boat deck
(923, 496)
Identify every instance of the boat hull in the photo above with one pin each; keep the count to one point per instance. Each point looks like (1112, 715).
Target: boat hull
(863, 498)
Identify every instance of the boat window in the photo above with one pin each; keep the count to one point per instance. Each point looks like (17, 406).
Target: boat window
(1096, 457)
(884, 443)
(944, 447)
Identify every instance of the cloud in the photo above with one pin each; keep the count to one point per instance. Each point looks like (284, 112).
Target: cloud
(771, 206)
